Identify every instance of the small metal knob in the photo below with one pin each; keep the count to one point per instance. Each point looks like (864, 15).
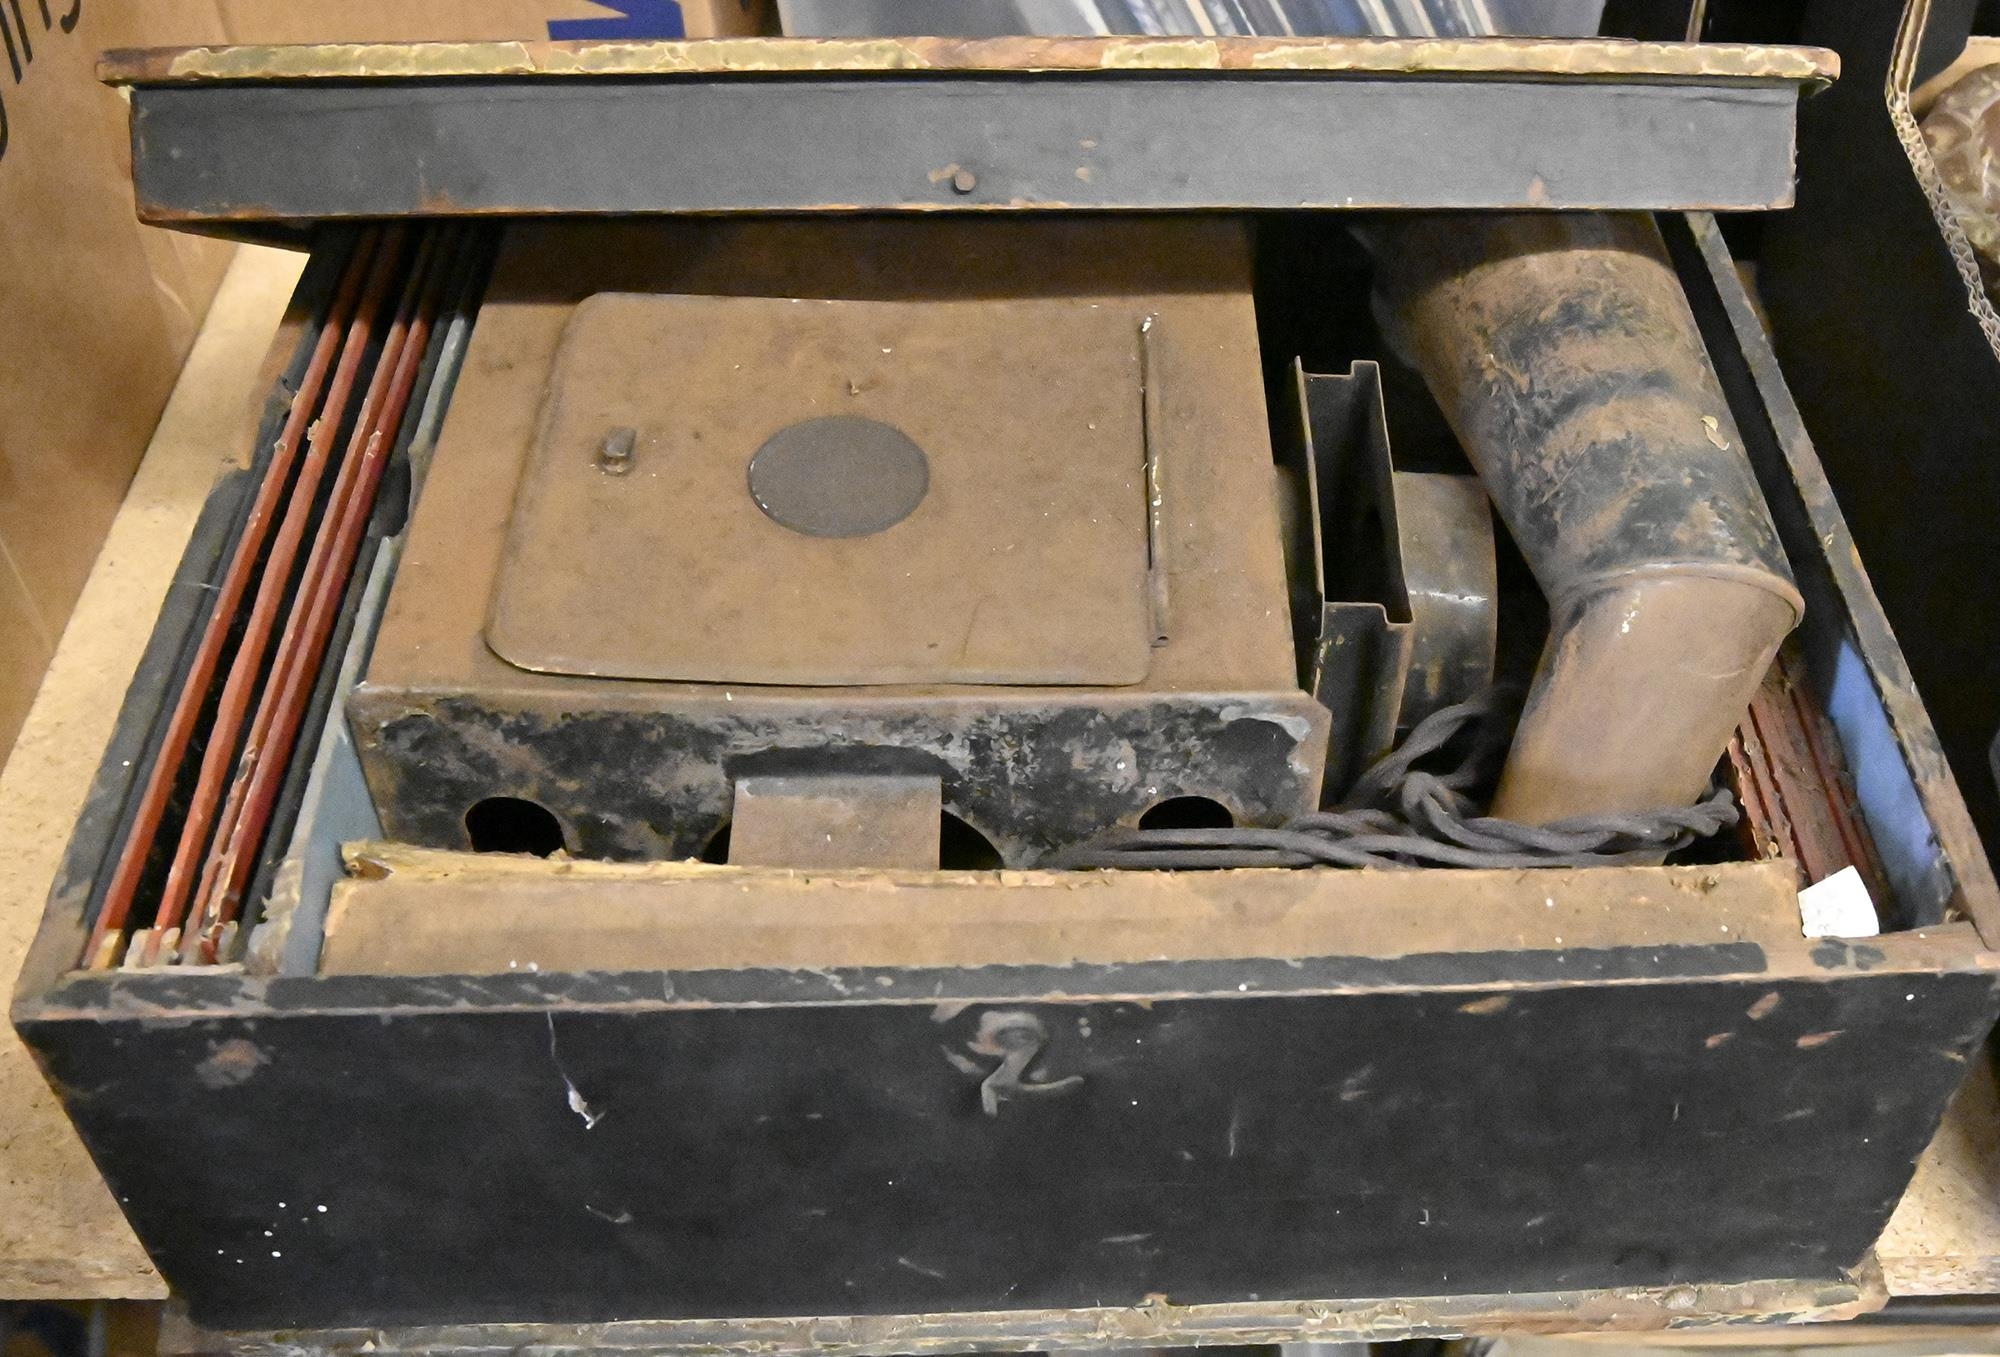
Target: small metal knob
(614, 455)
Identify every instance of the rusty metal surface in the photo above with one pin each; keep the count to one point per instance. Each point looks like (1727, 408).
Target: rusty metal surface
(831, 821)
(642, 769)
(1721, 62)
(1024, 560)
(1563, 352)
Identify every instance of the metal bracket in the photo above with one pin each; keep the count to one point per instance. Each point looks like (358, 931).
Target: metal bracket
(1395, 599)
(834, 820)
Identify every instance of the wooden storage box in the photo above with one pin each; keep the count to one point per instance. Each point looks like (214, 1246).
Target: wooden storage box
(709, 1100)
(679, 1107)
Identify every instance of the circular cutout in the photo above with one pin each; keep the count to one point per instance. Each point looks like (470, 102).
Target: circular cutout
(1187, 812)
(961, 848)
(513, 824)
(839, 476)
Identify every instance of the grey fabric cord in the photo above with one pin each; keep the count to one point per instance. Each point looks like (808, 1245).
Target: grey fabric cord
(1399, 815)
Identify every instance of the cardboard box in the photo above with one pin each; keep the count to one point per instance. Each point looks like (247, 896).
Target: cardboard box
(101, 310)
(97, 309)
(287, 21)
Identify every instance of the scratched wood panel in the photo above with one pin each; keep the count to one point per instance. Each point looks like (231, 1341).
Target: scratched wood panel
(487, 1151)
(425, 913)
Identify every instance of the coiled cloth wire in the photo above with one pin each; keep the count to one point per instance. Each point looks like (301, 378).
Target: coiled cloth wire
(1398, 815)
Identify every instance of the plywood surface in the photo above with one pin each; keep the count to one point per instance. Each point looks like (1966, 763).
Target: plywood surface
(418, 912)
(1945, 1236)
(61, 1234)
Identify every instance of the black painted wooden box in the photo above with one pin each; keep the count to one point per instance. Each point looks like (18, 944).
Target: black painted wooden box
(1684, 1109)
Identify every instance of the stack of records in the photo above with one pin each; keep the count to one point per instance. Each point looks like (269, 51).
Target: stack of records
(1215, 18)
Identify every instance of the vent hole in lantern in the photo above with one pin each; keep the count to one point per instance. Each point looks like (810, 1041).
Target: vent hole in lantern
(513, 824)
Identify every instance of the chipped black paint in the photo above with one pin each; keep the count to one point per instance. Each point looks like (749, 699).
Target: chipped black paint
(1218, 1147)
(228, 155)
(160, 993)
(1839, 954)
(1034, 773)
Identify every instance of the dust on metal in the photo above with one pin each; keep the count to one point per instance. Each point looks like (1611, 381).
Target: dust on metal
(839, 476)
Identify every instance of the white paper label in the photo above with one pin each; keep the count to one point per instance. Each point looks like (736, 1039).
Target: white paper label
(1838, 907)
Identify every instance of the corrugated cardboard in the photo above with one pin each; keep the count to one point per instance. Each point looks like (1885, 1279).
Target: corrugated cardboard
(98, 310)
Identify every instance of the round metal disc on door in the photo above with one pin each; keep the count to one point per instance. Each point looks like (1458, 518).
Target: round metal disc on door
(839, 476)
(806, 503)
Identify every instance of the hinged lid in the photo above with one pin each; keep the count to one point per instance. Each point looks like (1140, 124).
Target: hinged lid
(762, 490)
